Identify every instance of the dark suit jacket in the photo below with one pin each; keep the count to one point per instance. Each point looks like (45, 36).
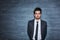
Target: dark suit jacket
(30, 29)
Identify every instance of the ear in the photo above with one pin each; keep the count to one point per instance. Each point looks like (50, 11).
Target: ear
(34, 15)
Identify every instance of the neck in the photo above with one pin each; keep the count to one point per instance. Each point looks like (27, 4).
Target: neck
(37, 19)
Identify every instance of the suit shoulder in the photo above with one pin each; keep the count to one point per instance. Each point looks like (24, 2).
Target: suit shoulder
(31, 20)
(44, 21)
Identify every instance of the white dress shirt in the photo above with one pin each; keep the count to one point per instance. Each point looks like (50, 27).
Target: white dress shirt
(39, 29)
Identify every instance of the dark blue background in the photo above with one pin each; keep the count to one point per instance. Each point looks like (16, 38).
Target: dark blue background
(14, 15)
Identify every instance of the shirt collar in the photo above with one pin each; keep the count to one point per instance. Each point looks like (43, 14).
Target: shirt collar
(37, 20)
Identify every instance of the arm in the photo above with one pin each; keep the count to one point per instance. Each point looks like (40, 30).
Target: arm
(28, 29)
(45, 29)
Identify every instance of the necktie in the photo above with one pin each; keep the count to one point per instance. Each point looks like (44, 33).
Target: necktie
(36, 36)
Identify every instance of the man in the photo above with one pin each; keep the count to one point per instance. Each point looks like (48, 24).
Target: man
(37, 28)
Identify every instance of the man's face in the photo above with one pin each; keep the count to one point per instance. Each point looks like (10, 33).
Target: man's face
(37, 14)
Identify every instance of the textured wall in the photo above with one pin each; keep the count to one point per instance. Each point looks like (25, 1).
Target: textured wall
(14, 15)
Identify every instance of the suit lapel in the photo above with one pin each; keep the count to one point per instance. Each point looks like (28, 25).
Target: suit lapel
(32, 28)
(41, 28)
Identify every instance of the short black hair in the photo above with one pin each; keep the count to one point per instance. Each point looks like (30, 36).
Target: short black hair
(38, 9)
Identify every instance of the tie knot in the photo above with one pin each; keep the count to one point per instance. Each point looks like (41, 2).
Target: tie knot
(37, 21)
